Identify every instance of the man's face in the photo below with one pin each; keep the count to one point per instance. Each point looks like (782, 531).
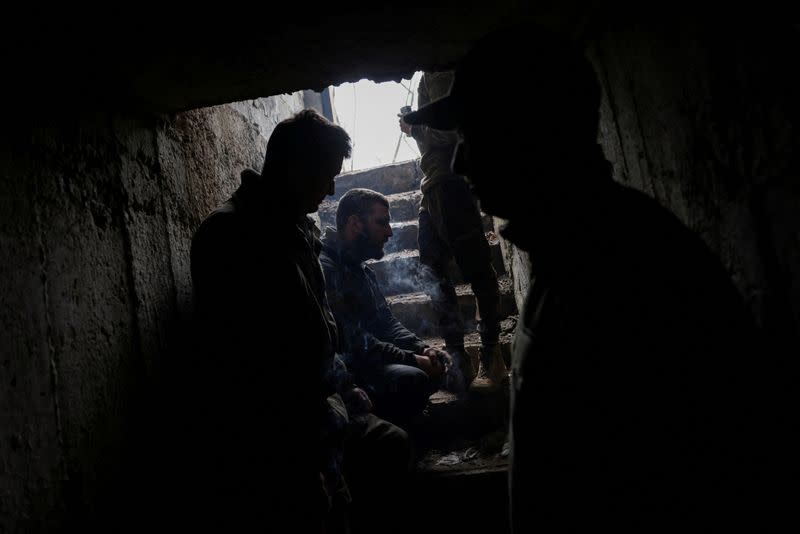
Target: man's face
(375, 232)
(487, 165)
(320, 180)
(510, 173)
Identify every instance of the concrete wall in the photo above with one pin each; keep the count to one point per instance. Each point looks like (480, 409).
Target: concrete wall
(518, 266)
(703, 122)
(96, 218)
(321, 102)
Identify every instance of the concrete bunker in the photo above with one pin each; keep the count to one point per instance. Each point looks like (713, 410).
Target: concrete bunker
(99, 199)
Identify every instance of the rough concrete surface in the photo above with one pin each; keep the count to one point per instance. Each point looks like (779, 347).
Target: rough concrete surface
(97, 215)
(97, 209)
(703, 125)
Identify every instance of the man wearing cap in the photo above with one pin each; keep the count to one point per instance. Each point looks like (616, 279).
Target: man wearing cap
(636, 403)
(450, 227)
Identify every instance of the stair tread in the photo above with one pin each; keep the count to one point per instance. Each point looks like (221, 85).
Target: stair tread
(455, 463)
(414, 252)
(404, 224)
(403, 194)
(503, 281)
(386, 179)
(468, 455)
(472, 340)
(406, 253)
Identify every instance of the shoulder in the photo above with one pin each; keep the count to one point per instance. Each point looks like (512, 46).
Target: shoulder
(657, 227)
(676, 254)
(225, 217)
(220, 227)
(669, 234)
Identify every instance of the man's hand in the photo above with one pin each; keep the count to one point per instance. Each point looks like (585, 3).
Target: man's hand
(439, 355)
(432, 366)
(405, 127)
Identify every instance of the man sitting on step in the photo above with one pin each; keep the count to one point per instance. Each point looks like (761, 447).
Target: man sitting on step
(398, 370)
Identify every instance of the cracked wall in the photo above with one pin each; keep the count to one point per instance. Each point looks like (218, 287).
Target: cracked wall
(703, 122)
(96, 213)
(96, 219)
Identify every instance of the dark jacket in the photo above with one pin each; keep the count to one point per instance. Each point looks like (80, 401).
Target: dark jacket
(435, 146)
(255, 274)
(639, 394)
(370, 334)
(266, 342)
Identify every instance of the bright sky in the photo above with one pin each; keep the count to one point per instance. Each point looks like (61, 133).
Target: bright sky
(368, 111)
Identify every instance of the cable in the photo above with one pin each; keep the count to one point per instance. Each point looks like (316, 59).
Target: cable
(397, 148)
(409, 94)
(413, 150)
(353, 136)
(406, 88)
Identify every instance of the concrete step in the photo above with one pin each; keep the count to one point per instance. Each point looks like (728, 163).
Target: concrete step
(386, 179)
(451, 420)
(404, 238)
(470, 497)
(472, 341)
(397, 272)
(463, 457)
(468, 476)
(462, 434)
(404, 207)
(406, 235)
(416, 312)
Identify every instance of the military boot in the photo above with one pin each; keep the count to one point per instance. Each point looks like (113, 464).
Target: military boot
(460, 374)
(492, 371)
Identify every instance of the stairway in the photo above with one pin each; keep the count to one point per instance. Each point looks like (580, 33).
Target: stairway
(462, 439)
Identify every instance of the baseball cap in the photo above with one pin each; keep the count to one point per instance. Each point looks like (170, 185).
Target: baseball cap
(526, 58)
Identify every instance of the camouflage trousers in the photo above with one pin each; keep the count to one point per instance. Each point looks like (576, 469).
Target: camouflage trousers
(450, 228)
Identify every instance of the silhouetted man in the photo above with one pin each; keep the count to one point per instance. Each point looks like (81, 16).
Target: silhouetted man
(639, 400)
(271, 446)
(450, 227)
(396, 368)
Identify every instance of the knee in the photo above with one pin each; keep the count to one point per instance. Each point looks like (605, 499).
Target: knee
(414, 386)
(412, 379)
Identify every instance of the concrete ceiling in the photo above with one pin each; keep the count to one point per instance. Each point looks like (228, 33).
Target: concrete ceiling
(149, 61)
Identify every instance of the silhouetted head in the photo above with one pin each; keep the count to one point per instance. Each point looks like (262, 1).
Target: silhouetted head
(526, 103)
(362, 223)
(304, 155)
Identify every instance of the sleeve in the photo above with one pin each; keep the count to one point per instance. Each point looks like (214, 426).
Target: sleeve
(430, 138)
(394, 332)
(363, 341)
(426, 136)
